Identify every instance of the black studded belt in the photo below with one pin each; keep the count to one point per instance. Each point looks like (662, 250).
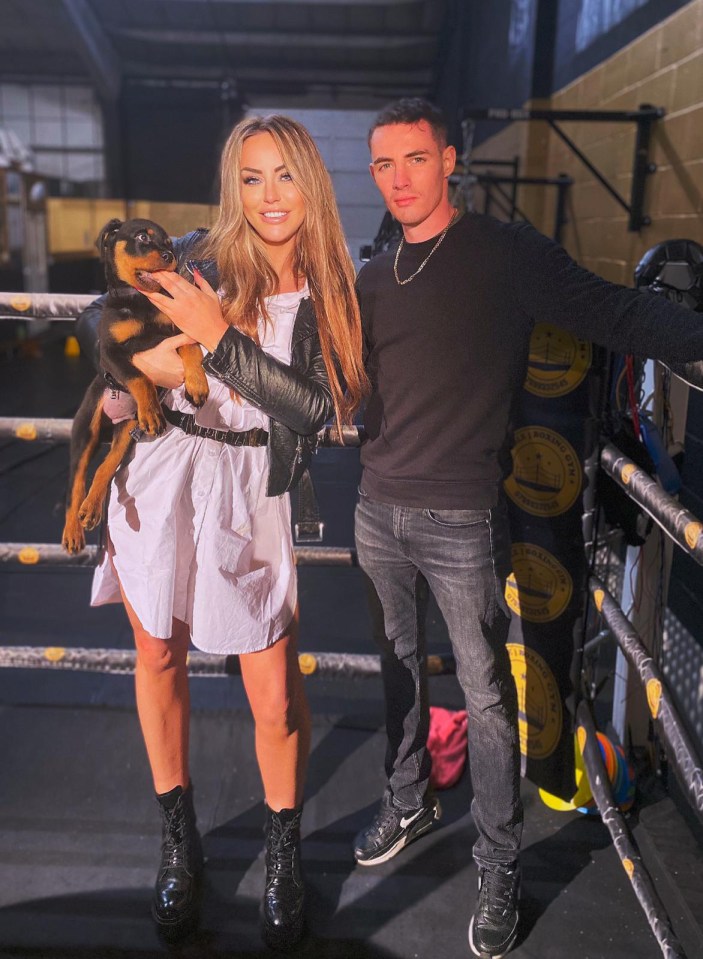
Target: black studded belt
(186, 422)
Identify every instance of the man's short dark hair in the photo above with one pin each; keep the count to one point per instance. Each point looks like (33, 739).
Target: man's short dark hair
(412, 110)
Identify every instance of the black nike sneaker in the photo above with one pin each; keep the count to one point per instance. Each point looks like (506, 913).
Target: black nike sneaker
(494, 923)
(392, 828)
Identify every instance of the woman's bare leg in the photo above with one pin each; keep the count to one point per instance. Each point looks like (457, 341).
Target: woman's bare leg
(163, 701)
(274, 686)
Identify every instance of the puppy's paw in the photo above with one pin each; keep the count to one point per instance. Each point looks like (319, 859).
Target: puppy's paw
(90, 513)
(151, 420)
(72, 538)
(196, 387)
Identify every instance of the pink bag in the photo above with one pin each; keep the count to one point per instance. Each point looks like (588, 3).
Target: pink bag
(447, 743)
(118, 405)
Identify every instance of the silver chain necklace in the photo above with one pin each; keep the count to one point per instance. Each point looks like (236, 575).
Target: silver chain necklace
(422, 266)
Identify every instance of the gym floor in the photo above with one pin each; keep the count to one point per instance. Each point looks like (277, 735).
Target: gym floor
(79, 828)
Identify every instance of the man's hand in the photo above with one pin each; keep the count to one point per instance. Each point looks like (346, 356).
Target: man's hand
(161, 363)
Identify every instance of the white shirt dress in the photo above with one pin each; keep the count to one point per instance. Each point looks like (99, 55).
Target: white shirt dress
(192, 534)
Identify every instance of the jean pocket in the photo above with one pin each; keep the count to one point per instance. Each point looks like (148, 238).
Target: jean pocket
(458, 518)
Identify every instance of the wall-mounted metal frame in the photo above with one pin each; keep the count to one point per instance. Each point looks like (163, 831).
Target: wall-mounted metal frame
(644, 118)
(496, 192)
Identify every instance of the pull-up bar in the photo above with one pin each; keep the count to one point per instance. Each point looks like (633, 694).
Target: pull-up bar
(644, 118)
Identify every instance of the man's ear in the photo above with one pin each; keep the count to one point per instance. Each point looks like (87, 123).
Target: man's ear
(372, 171)
(448, 160)
(106, 234)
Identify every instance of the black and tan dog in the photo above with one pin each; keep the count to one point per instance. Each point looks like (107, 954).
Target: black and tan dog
(131, 251)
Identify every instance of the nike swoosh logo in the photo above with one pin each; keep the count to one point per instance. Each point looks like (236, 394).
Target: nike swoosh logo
(408, 820)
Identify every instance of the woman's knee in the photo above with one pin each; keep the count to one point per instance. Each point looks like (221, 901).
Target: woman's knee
(158, 656)
(280, 709)
(275, 714)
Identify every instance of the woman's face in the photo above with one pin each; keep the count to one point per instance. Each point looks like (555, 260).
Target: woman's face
(272, 203)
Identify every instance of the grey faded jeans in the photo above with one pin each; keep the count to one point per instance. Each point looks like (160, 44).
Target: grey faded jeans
(464, 555)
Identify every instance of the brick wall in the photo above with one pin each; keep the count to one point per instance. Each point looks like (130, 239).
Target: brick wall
(664, 67)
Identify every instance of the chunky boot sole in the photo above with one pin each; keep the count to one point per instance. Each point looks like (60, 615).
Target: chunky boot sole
(282, 939)
(176, 929)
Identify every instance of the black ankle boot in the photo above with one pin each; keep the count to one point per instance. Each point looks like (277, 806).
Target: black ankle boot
(282, 911)
(176, 893)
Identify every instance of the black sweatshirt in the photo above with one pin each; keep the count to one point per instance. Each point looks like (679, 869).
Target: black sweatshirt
(447, 353)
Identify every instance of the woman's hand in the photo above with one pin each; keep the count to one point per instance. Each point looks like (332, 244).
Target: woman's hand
(195, 310)
(161, 363)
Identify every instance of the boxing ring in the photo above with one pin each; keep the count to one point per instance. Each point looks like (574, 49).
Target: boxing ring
(683, 528)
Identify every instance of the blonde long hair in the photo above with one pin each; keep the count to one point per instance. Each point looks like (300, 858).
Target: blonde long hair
(321, 256)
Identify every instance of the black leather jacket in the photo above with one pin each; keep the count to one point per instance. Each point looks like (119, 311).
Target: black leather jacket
(296, 398)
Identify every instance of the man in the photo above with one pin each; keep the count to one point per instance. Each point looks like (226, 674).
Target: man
(447, 320)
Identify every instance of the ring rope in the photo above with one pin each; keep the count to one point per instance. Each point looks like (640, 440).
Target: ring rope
(51, 554)
(122, 661)
(677, 522)
(623, 841)
(680, 748)
(46, 429)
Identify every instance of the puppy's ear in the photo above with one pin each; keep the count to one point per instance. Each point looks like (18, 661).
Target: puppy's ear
(106, 234)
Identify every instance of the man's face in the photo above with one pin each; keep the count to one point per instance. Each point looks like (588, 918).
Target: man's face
(410, 168)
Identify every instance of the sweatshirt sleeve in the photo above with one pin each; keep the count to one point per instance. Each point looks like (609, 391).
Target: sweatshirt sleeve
(550, 287)
(301, 401)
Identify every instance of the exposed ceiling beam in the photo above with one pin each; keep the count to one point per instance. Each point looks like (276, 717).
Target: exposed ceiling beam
(315, 3)
(280, 77)
(32, 66)
(281, 38)
(95, 48)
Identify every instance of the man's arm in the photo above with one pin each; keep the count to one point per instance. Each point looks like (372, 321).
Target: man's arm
(550, 287)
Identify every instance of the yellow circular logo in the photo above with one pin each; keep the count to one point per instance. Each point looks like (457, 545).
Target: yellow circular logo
(627, 471)
(598, 598)
(21, 303)
(654, 695)
(692, 534)
(54, 653)
(629, 867)
(307, 663)
(539, 588)
(435, 666)
(28, 555)
(546, 477)
(539, 702)
(558, 362)
(26, 431)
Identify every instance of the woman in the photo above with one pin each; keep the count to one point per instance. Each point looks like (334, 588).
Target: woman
(199, 530)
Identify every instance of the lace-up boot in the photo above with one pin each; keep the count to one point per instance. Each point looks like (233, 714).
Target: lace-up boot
(176, 893)
(392, 828)
(494, 923)
(282, 909)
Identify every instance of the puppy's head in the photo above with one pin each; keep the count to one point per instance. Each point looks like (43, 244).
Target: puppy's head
(132, 250)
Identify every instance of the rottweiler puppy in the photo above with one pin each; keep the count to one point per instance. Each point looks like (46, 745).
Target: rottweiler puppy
(131, 251)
